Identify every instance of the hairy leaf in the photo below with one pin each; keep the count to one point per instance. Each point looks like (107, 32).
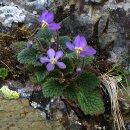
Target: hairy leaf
(63, 40)
(70, 93)
(52, 88)
(91, 102)
(41, 74)
(44, 42)
(55, 74)
(69, 65)
(17, 46)
(28, 56)
(44, 36)
(31, 68)
(88, 59)
(76, 59)
(70, 55)
(45, 33)
(87, 81)
(34, 80)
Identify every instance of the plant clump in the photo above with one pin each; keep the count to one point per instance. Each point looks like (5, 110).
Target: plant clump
(59, 66)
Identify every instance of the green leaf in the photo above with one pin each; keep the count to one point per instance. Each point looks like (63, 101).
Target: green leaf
(28, 56)
(45, 33)
(44, 36)
(69, 65)
(88, 59)
(44, 42)
(52, 88)
(77, 60)
(63, 40)
(91, 102)
(41, 74)
(34, 80)
(55, 74)
(70, 93)
(31, 68)
(3, 73)
(87, 81)
(70, 55)
(18, 46)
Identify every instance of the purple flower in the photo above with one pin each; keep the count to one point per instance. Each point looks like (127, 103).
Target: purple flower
(52, 60)
(47, 20)
(80, 47)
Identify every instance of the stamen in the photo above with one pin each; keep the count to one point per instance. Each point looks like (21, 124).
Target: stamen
(78, 50)
(53, 61)
(44, 24)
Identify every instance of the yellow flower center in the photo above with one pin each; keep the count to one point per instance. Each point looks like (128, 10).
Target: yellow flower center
(53, 61)
(44, 24)
(78, 50)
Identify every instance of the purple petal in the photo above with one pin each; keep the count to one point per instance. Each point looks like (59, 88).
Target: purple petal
(90, 51)
(43, 16)
(77, 41)
(54, 26)
(44, 60)
(82, 54)
(49, 17)
(59, 54)
(51, 53)
(70, 46)
(83, 42)
(61, 65)
(50, 67)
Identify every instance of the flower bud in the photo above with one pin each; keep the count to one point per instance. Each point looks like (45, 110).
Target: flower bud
(29, 44)
(78, 70)
(52, 43)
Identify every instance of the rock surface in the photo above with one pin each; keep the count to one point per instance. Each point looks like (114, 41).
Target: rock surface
(107, 23)
(10, 14)
(18, 115)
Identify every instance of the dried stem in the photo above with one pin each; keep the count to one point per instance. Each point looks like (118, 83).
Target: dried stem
(110, 83)
(57, 40)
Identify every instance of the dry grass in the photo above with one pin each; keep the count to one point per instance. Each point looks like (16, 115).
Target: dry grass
(111, 84)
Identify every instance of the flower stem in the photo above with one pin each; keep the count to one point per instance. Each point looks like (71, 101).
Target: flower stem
(57, 40)
(82, 67)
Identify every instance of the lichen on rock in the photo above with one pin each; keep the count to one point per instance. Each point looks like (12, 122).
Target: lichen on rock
(10, 14)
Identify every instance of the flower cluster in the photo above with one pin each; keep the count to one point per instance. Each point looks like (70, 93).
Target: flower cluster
(59, 66)
(80, 46)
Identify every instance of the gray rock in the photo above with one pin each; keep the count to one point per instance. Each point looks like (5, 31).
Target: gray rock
(117, 54)
(10, 14)
(95, 1)
(76, 24)
(103, 21)
(29, 5)
(106, 39)
(56, 103)
(40, 4)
